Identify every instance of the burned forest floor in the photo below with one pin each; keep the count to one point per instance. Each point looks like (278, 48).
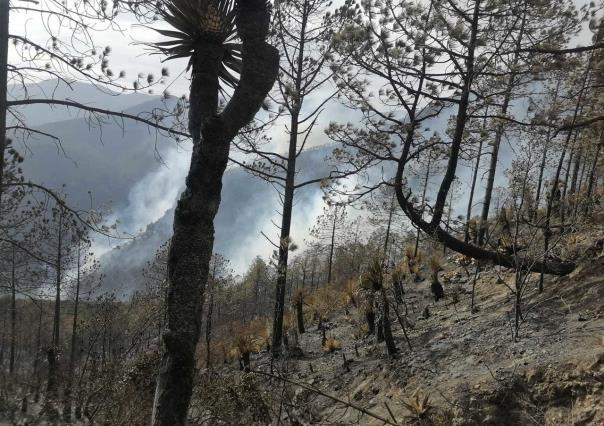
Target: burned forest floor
(464, 365)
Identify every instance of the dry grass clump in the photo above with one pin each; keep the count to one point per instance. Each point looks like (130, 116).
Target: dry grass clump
(262, 331)
(373, 278)
(331, 345)
(350, 293)
(418, 404)
(289, 320)
(323, 302)
(435, 264)
(463, 260)
(412, 262)
(247, 338)
(300, 295)
(398, 273)
(231, 399)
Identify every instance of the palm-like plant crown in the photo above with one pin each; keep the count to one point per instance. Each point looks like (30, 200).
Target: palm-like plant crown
(196, 22)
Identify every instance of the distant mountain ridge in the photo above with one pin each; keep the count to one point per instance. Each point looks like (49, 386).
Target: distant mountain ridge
(117, 165)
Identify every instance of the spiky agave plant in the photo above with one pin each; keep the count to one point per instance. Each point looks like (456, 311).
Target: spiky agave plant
(198, 23)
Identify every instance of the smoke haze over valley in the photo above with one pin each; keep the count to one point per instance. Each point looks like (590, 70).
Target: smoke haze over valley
(136, 174)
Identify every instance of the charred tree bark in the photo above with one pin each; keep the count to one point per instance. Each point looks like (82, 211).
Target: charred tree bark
(472, 188)
(288, 202)
(209, 330)
(331, 246)
(13, 315)
(548, 139)
(426, 179)
(4, 21)
(51, 387)
(74, 329)
(192, 243)
(300, 315)
(592, 174)
(387, 328)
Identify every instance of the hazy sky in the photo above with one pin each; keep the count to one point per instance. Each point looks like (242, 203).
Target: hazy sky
(129, 55)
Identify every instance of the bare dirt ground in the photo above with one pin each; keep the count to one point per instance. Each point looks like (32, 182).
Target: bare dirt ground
(464, 367)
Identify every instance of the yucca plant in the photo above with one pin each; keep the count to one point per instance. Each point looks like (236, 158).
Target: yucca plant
(206, 31)
(418, 404)
(197, 23)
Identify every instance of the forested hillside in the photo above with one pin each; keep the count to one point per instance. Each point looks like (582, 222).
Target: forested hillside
(240, 212)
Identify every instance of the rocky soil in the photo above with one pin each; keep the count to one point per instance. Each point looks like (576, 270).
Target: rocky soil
(464, 367)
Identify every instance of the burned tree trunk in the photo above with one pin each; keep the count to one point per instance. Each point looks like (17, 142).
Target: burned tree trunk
(4, 16)
(192, 243)
(433, 227)
(300, 315)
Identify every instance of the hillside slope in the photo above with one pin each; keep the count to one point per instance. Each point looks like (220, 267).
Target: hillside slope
(464, 367)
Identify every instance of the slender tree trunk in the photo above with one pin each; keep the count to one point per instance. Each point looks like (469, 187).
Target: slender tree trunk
(389, 340)
(192, 243)
(13, 315)
(426, 179)
(331, 247)
(36, 368)
(4, 21)
(387, 238)
(472, 188)
(548, 138)
(550, 202)
(288, 198)
(59, 270)
(592, 174)
(209, 330)
(52, 353)
(499, 135)
(542, 169)
(576, 166)
(300, 315)
(563, 200)
(448, 217)
(74, 334)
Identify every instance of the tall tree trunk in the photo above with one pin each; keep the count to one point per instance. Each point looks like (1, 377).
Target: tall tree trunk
(209, 330)
(36, 368)
(56, 326)
(74, 334)
(331, 246)
(500, 129)
(592, 174)
(387, 238)
(423, 201)
(387, 328)
(52, 353)
(13, 314)
(448, 217)
(548, 138)
(192, 244)
(300, 315)
(4, 21)
(288, 198)
(472, 188)
(556, 181)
